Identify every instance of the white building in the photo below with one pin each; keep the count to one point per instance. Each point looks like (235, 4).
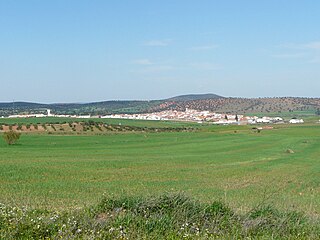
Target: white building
(295, 121)
(277, 119)
(84, 116)
(49, 113)
(263, 120)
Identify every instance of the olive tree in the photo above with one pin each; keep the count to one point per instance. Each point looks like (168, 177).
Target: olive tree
(11, 137)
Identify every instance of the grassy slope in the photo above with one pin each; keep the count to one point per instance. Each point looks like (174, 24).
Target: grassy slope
(242, 168)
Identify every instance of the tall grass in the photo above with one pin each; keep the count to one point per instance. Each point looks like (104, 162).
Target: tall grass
(169, 216)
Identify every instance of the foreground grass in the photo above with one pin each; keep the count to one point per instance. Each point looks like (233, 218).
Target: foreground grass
(169, 216)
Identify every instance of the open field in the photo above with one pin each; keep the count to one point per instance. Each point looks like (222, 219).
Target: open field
(232, 164)
(136, 123)
(126, 184)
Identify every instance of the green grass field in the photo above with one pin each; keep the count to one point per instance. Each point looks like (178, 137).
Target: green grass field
(137, 123)
(232, 164)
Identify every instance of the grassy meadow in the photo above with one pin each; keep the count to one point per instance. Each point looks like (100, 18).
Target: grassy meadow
(212, 182)
(127, 122)
(229, 163)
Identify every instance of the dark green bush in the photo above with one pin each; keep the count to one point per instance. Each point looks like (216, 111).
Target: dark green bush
(11, 137)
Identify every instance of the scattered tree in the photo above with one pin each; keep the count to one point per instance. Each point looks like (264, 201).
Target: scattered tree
(11, 137)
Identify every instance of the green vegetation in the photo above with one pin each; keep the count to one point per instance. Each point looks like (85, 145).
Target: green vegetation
(94, 126)
(286, 114)
(217, 162)
(254, 175)
(96, 108)
(11, 137)
(169, 216)
(127, 122)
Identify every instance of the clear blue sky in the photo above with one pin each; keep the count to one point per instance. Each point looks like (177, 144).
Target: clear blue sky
(84, 50)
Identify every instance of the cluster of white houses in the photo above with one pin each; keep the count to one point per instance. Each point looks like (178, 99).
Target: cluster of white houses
(203, 116)
(188, 115)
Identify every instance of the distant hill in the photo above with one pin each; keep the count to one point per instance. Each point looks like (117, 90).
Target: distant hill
(94, 108)
(191, 97)
(21, 105)
(245, 105)
(210, 102)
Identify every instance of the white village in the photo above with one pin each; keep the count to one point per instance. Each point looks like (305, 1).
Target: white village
(189, 115)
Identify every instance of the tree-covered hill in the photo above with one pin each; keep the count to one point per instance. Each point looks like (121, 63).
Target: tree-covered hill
(209, 102)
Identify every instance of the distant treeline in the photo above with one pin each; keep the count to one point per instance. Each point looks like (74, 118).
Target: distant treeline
(86, 126)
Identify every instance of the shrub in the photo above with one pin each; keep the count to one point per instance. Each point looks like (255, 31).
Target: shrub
(91, 122)
(11, 137)
(168, 216)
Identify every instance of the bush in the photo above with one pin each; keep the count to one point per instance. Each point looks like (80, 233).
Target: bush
(11, 137)
(168, 216)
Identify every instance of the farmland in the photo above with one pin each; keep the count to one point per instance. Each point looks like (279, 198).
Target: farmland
(229, 163)
(226, 180)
